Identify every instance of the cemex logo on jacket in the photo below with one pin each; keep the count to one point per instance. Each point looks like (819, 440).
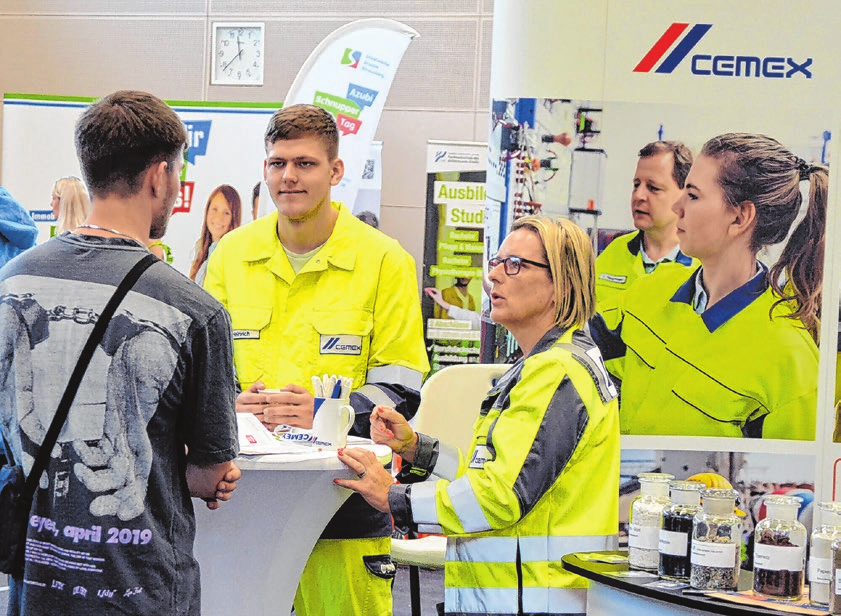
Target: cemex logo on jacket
(341, 345)
(681, 42)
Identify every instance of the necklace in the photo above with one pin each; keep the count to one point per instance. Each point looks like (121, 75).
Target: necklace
(114, 231)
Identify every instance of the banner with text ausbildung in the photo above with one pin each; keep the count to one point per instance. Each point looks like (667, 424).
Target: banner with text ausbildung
(349, 74)
(454, 251)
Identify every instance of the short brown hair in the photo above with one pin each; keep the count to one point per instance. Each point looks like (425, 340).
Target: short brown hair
(298, 121)
(681, 157)
(120, 136)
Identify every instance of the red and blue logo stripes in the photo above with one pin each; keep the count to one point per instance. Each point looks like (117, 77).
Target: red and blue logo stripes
(681, 50)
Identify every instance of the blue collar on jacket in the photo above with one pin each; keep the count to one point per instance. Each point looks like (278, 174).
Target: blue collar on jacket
(736, 301)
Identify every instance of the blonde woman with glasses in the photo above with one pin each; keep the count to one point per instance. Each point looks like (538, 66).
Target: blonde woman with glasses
(70, 203)
(542, 477)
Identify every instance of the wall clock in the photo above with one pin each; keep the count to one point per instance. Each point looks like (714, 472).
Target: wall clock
(237, 54)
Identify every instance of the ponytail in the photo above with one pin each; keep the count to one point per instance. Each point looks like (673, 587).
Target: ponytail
(761, 170)
(800, 266)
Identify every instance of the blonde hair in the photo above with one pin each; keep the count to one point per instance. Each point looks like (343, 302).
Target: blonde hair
(572, 267)
(74, 203)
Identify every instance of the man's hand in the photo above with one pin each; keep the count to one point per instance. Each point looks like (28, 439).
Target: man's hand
(224, 489)
(293, 406)
(388, 427)
(252, 401)
(213, 483)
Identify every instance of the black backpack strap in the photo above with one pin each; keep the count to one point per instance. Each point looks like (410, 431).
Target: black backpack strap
(78, 373)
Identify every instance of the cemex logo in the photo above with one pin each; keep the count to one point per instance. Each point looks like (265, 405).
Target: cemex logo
(351, 57)
(719, 65)
(341, 345)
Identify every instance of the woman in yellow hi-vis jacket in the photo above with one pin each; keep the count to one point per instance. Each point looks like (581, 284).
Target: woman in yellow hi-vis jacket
(731, 350)
(541, 480)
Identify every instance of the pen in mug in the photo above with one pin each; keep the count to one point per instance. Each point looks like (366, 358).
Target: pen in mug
(317, 388)
(337, 389)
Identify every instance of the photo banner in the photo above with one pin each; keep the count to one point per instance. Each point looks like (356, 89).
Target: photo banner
(565, 135)
(215, 131)
(349, 74)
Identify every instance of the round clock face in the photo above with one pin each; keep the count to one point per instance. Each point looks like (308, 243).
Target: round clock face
(237, 54)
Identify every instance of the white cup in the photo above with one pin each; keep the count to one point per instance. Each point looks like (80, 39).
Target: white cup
(332, 419)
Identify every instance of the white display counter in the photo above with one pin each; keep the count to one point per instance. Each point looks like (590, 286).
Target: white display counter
(253, 549)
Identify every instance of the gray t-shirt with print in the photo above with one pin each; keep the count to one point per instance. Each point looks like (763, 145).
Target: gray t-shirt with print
(111, 528)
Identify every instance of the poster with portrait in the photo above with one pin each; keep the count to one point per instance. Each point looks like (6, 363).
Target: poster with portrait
(214, 129)
(622, 76)
(748, 364)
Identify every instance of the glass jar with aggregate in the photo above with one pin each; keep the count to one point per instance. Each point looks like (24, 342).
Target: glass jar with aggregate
(835, 584)
(715, 555)
(646, 519)
(820, 552)
(676, 532)
(779, 550)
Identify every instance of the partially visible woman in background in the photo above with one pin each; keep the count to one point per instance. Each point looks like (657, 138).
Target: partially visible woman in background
(222, 213)
(70, 203)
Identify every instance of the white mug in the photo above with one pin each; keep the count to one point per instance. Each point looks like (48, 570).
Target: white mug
(332, 419)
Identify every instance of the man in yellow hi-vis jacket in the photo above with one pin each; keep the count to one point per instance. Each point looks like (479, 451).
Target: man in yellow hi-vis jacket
(658, 183)
(312, 290)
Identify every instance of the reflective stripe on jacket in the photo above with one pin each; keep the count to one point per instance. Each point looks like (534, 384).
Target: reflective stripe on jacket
(541, 481)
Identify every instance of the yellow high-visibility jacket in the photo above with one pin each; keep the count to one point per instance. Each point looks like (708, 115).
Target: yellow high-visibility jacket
(353, 310)
(541, 481)
(619, 265)
(731, 371)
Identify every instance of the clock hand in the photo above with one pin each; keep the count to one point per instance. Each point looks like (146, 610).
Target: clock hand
(231, 61)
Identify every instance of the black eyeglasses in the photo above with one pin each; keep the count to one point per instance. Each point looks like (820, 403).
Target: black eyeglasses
(512, 264)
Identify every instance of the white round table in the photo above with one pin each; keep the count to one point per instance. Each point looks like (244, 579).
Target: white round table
(253, 549)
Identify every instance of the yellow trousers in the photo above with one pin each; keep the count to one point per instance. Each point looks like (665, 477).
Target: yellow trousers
(336, 581)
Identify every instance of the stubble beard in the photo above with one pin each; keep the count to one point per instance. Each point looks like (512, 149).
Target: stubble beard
(159, 224)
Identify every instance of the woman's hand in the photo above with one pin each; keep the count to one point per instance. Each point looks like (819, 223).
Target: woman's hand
(388, 427)
(436, 296)
(373, 481)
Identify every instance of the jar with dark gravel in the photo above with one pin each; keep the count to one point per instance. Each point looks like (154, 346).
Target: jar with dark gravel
(715, 557)
(676, 533)
(779, 550)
